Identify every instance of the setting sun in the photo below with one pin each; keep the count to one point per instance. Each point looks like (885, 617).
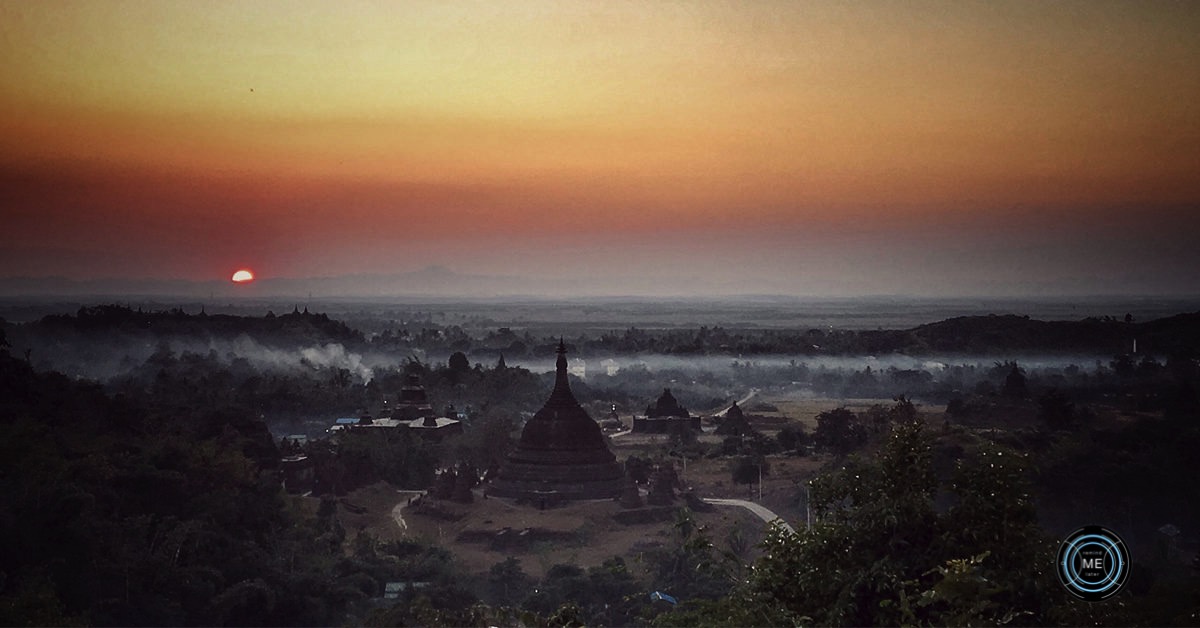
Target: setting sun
(242, 276)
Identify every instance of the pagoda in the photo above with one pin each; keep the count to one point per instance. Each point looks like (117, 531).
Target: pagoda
(666, 416)
(562, 455)
(412, 403)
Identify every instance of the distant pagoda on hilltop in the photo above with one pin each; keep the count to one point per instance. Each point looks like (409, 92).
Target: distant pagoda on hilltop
(562, 455)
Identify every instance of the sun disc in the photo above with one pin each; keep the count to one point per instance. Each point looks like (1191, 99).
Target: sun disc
(243, 276)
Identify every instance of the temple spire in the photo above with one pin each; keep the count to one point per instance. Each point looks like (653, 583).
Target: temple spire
(562, 387)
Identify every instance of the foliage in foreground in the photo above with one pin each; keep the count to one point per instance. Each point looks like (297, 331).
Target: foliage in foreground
(881, 554)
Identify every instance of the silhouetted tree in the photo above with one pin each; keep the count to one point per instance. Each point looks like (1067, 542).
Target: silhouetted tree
(1014, 383)
(458, 362)
(1055, 409)
(839, 431)
(1123, 365)
(881, 553)
(746, 469)
(793, 437)
(507, 583)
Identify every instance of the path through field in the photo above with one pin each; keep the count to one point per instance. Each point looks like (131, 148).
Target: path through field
(758, 509)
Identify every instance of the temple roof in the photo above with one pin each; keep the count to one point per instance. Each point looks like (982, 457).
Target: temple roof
(413, 391)
(413, 403)
(666, 406)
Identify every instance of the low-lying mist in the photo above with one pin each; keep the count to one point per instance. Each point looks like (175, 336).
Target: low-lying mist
(103, 361)
(720, 364)
(702, 379)
(707, 382)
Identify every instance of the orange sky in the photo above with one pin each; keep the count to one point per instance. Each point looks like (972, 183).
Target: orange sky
(783, 146)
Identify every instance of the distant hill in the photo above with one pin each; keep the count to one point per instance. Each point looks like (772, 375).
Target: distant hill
(292, 328)
(1021, 333)
(981, 334)
(963, 335)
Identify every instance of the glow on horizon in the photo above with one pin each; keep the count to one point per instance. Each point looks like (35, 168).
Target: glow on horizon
(374, 134)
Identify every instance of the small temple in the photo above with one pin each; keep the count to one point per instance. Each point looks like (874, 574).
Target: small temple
(665, 416)
(414, 410)
(562, 456)
(734, 423)
(412, 402)
(613, 422)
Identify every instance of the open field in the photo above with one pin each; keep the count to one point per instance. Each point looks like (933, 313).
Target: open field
(801, 406)
(488, 531)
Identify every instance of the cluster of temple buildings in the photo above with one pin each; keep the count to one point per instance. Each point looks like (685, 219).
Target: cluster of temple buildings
(562, 454)
(412, 411)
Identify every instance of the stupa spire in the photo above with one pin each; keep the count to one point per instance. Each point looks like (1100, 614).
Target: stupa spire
(560, 375)
(561, 397)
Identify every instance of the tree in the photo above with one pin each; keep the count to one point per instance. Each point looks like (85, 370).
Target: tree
(507, 582)
(613, 592)
(459, 362)
(563, 583)
(869, 549)
(747, 469)
(459, 367)
(690, 565)
(1055, 409)
(793, 437)
(997, 574)
(1123, 365)
(683, 437)
(879, 553)
(839, 431)
(1014, 383)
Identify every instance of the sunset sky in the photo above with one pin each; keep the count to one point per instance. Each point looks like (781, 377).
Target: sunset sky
(808, 148)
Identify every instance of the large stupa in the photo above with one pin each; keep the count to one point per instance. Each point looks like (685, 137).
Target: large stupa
(562, 455)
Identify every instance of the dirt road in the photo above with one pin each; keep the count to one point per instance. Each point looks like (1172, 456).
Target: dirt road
(741, 402)
(405, 498)
(758, 509)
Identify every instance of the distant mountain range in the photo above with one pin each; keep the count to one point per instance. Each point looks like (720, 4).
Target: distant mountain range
(441, 282)
(436, 281)
(432, 281)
